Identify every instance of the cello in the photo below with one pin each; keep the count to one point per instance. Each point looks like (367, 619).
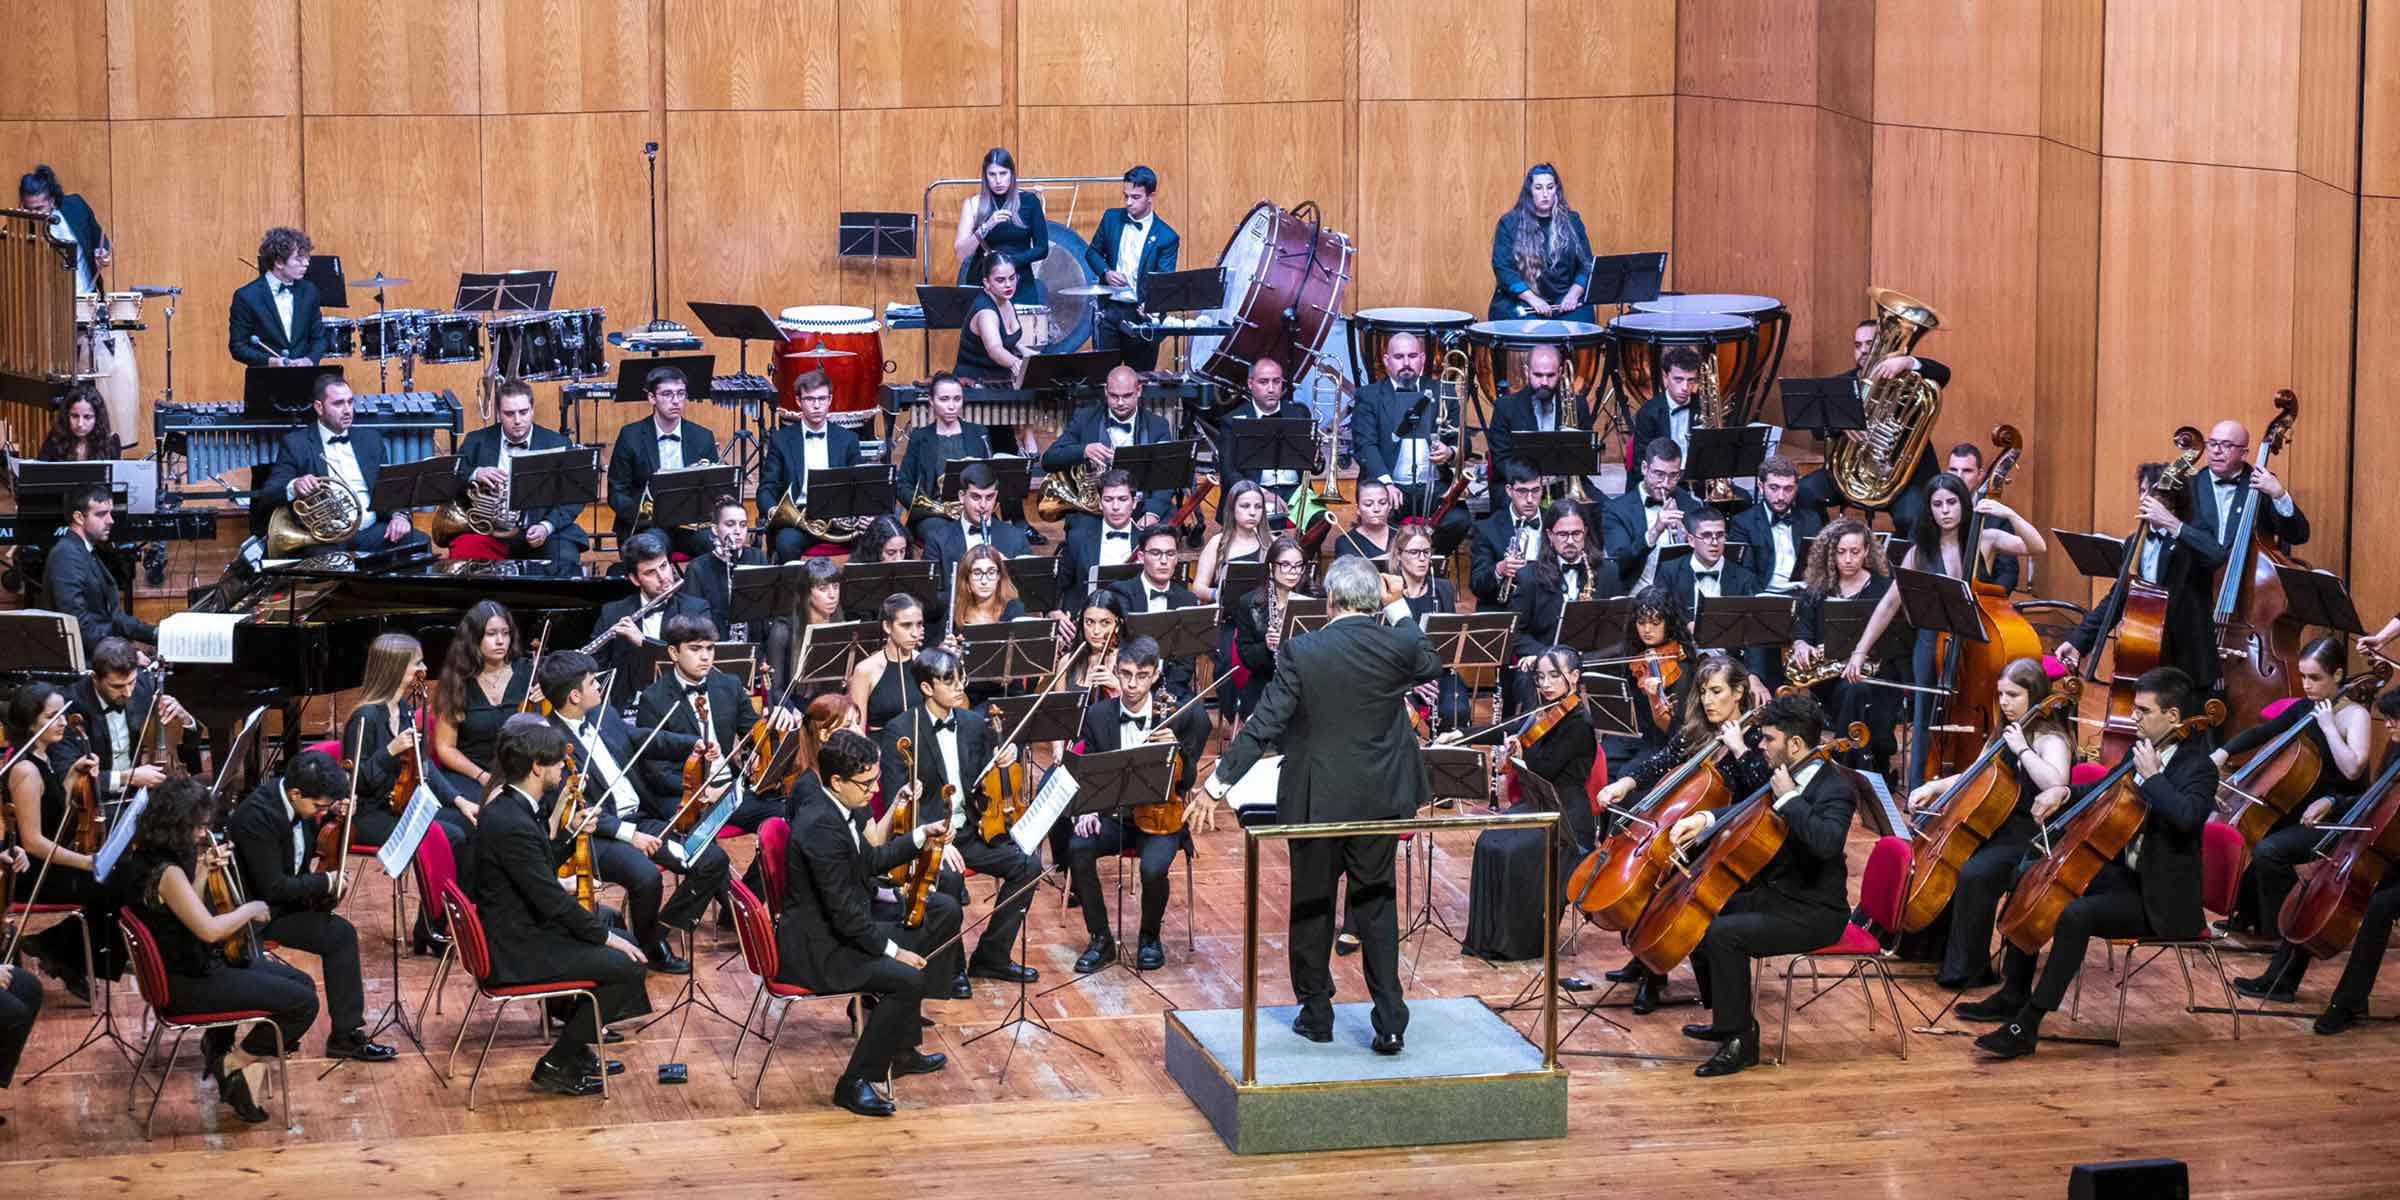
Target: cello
(2322, 915)
(1616, 880)
(1732, 852)
(2278, 777)
(1967, 813)
(2257, 639)
(2082, 840)
(1970, 667)
(2137, 612)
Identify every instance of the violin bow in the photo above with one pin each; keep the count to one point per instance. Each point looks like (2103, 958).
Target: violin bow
(17, 935)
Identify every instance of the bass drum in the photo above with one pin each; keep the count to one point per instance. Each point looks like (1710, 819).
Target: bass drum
(1275, 264)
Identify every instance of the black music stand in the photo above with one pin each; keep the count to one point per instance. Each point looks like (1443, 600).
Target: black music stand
(1453, 773)
(1111, 784)
(281, 393)
(1741, 622)
(1026, 648)
(2321, 598)
(1561, 453)
(1470, 640)
(1036, 577)
(743, 323)
(37, 643)
(1939, 604)
(1009, 471)
(865, 490)
(1822, 406)
(1182, 291)
(866, 585)
(1623, 279)
(758, 592)
(42, 489)
(699, 371)
(1842, 622)
(1240, 580)
(568, 477)
(945, 306)
(1116, 573)
(876, 235)
(400, 487)
(505, 291)
(1595, 626)
(1057, 718)
(1726, 454)
(2096, 555)
(1181, 633)
(1270, 444)
(1304, 615)
(1157, 466)
(1611, 704)
(325, 271)
(828, 651)
(1071, 371)
(684, 495)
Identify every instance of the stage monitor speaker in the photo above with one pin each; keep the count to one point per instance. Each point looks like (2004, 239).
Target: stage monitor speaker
(2132, 1179)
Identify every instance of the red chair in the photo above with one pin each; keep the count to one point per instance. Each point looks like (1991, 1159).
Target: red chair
(150, 976)
(437, 872)
(2085, 774)
(1882, 891)
(756, 930)
(466, 937)
(2223, 856)
(774, 841)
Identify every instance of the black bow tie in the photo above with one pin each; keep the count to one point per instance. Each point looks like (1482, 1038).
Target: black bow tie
(1528, 525)
(1774, 519)
(676, 438)
(946, 725)
(527, 444)
(107, 709)
(339, 439)
(1123, 535)
(1125, 426)
(974, 531)
(1158, 597)
(1141, 722)
(815, 435)
(1711, 573)
(590, 727)
(1648, 502)
(283, 289)
(298, 821)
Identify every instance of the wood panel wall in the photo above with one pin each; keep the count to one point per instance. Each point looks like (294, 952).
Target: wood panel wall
(444, 136)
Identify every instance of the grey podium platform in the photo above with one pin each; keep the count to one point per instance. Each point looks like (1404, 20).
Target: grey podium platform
(1467, 1076)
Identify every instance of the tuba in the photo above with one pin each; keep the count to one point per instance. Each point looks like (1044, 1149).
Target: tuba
(1900, 411)
(478, 509)
(331, 515)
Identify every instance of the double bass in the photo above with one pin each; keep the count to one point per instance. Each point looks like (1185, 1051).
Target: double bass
(1966, 815)
(2081, 840)
(1971, 668)
(2258, 642)
(2137, 612)
(1734, 850)
(1617, 879)
(2323, 914)
(2277, 778)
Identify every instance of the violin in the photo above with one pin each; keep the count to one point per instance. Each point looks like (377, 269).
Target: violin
(1967, 813)
(83, 796)
(2139, 617)
(578, 865)
(1617, 879)
(1540, 725)
(2082, 840)
(1735, 849)
(924, 870)
(2257, 640)
(1166, 817)
(412, 765)
(2278, 778)
(903, 811)
(2323, 914)
(1971, 668)
(1005, 797)
(698, 766)
(1657, 672)
(223, 891)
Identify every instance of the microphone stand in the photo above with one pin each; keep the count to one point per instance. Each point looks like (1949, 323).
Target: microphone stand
(657, 324)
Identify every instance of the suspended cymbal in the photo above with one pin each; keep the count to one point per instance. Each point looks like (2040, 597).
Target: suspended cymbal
(1089, 289)
(822, 352)
(380, 281)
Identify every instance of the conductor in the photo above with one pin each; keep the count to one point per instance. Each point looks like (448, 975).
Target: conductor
(1335, 706)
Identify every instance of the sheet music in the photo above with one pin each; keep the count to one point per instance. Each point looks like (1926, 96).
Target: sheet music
(696, 843)
(1049, 800)
(399, 848)
(197, 637)
(120, 835)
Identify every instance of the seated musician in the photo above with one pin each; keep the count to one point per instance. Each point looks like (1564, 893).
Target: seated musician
(1637, 523)
(272, 831)
(121, 709)
(1541, 258)
(666, 705)
(1798, 902)
(2341, 732)
(1818, 489)
(1370, 536)
(1155, 590)
(797, 448)
(2151, 890)
(333, 452)
(983, 594)
(1091, 438)
(381, 732)
(827, 713)
(20, 988)
(1938, 545)
(835, 936)
(1845, 563)
(1966, 461)
(987, 346)
(2348, 1003)
(1264, 389)
(1671, 413)
(1107, 540)
(485, 676)
(1447, 698)
(82, 586)
(1706, 573)
(160, 881)
(710, 577)
(1138, 713)
(1708, 709)
(1508, 538)
(951, 744)
(979, 523)
(887, 540)
(1660, 652)
(931, 450)
(1260, 616)
(1538, 407)
(37, 802)
(636, 620)
(1395, 426)
(2039, 754)
(2234, 483)
(1777, 530)
(1241, 536)
(663, 441)
(1506, 911)
(80, 431)
(637, 792)
(2181, 555)
(538, 934)
(879, 685)
(1132, 244)
(1563, 571)
(546, 535)
(275, 319)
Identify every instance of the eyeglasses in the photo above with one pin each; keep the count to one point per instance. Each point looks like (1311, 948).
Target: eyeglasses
(1417, 552)
(1290, 565)
(1525, 489)
(983, 573)
(2221, 444)
(1703, 535)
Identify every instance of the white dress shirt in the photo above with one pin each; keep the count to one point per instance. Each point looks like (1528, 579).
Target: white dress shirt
(1272, 479)
(60, 230)
(2133, 849)
(341, 462)
(1116, 544)
(1130, 242)
(670, 451)
(2227, 489)
(1708, 581)
(624, 803)
(281, 293)
(1800, 780)
(1679, 426)
(813, 449)
(1787, 557)
(946, 740)
(120, 749)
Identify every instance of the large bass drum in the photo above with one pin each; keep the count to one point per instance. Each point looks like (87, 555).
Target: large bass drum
(1753, 376)
(1276, 264)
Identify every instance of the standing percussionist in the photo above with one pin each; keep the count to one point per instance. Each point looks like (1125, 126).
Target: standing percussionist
(1337, 708)
(331, 452)
(796, 451)
(275, 320)
(1132, 244)
(1541, 258)
(544, 535)
(72, 220)
(1393, 431)
(663, 441)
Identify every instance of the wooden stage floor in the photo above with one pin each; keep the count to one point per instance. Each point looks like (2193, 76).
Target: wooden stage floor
(2279, 1112)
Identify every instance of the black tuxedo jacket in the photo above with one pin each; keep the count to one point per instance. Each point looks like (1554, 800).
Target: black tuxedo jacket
(80, 586)
(1751, 528)
(1174, 673)
(528, 920)
(1539, 599)
(921, 472)
(977, 743)
(657, 775)
(709, 579)
(262, 848)
(661, 707)
(1625, 527)
(786, 466)
(1159, 247)
(827, 936)
(1337, 709)
(482, 449)
(1652, 421)
(1079, 553)
(2187, 569)
(2167, 850)
(1512, 414)
(77, 213)
(2291, 531)
(253, 315)
(1375, 420)
(1682, 585)
(1104, 727)
(1487, 544)
(1086, 427)
(611, 654)
(635, 459)
(302, 452)
(84, 699)
(1810, 871)
(367, 741)
(946, 543)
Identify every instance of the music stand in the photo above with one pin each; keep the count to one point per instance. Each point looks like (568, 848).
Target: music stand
(876, 235)
(1009, 471)
(40, 642)
(2321, 598)
(757, 592)
(1471, 640)
(684, 495)
(1111, 784)
(1116, 573)
(1740, 622)
(1240, 580)
(281, 393)
(1182, 291)
(1057, 718)
(1842, 622)
(1623, 279)
(1069, 371)
(828, 651)
(865, 490)
(1036, 577)
(568, 477)
(1255, 444)
(1021, 649)
(946, 306)
(744, 323)
(2096, 555)
(1563, 453)
(1595, 626)
(325, 271)
(400, 487)
(1822, 406)
(1726, 454)
(698, 372)
(866, 585)
(1939, 604)
(1157, 466)
(1181, 633)
(505, 291)
(1453, 773)
(1611, 704)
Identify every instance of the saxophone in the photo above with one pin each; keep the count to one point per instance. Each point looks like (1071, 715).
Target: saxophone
(330, 515)
(1900, 410)
(478, 509)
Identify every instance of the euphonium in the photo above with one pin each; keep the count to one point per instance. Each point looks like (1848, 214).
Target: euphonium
(1900, 410)
(1075, 489)
(332, 514)
(1710, 406)
(478, 509)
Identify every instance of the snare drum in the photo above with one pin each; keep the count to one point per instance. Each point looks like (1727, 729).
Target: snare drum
(87, 309)
(1372, 328)
(341, 338)
(125, 310)
(391, 333)
(1753, 379)
(832, 327)
(453, 337)
(1639, 340)
(1496, 353)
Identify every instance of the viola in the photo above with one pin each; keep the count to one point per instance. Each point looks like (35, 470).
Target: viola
(2082, 840)
(2139, 619)
(697, 767)
(1658, 673)
(2322, 915)
(924, 870)
(411, 771)
(578, 865)
(1735, 849)
(222, 890)
(1617, 879)
(2278, 777)
(1166, 818)
(1966, 815)
(2258, 642)
(1970, 668)
(83, 796)
(1005, 797)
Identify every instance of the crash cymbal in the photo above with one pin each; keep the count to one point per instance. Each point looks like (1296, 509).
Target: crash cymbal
(152, 289)
(822, 352)
(380, 281)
